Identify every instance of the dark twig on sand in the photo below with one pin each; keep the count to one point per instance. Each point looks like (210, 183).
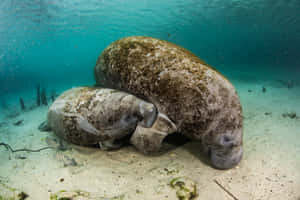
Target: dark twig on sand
(227, 191)
(8, 147)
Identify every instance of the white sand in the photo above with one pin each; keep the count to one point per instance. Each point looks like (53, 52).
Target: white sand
(270, 168)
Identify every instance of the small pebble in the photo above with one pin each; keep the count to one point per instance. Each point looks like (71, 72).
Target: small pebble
(61, 180)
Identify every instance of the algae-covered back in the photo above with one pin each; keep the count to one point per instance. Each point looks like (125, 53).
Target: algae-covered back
(179, 83)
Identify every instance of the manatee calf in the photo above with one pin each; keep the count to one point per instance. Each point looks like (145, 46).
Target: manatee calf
(200, 101)
(88, 116)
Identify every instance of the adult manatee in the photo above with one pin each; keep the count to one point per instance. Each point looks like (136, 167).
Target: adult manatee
(201, 102)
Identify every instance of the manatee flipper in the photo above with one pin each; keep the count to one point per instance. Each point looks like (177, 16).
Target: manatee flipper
(109, 145)
(44, 127)
(148, 140)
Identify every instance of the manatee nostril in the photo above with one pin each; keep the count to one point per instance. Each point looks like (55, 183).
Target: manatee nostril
(227, 141)
(226, 138)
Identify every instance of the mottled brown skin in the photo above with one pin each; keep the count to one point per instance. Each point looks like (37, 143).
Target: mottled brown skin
(199, 100)
(87, 116)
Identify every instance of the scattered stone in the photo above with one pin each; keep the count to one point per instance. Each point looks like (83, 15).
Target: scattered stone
(19, 123)
(291, 115)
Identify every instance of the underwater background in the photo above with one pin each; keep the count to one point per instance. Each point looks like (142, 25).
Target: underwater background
(53, 45)
(57, 42)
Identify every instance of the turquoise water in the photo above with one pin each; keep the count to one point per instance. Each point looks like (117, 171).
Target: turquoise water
(56, 42)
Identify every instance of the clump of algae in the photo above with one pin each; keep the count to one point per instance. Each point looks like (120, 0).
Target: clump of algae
(185, 188)
(80, 195)
(10, 193)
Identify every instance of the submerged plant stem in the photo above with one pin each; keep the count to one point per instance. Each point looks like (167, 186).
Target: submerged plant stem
(227, 191)
(8, 147)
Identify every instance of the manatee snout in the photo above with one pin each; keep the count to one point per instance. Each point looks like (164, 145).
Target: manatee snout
(227, 152)
(149, 112)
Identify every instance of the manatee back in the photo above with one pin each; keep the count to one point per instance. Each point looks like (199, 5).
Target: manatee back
(197, 98)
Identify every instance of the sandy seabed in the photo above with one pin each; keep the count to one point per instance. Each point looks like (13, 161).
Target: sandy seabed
(270, 168)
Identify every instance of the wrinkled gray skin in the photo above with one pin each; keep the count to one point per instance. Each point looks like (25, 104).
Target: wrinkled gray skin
(227, 150)
(87, 116)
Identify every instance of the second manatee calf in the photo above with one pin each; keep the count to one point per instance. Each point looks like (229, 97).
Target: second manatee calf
(89, 116)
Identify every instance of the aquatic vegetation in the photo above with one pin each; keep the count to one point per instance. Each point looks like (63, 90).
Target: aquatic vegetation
(38, 96)
(185, 188)
(9, 193)
(22, 196)
(80, 195)
(44, 97)
(53, 95)
(22, 104)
